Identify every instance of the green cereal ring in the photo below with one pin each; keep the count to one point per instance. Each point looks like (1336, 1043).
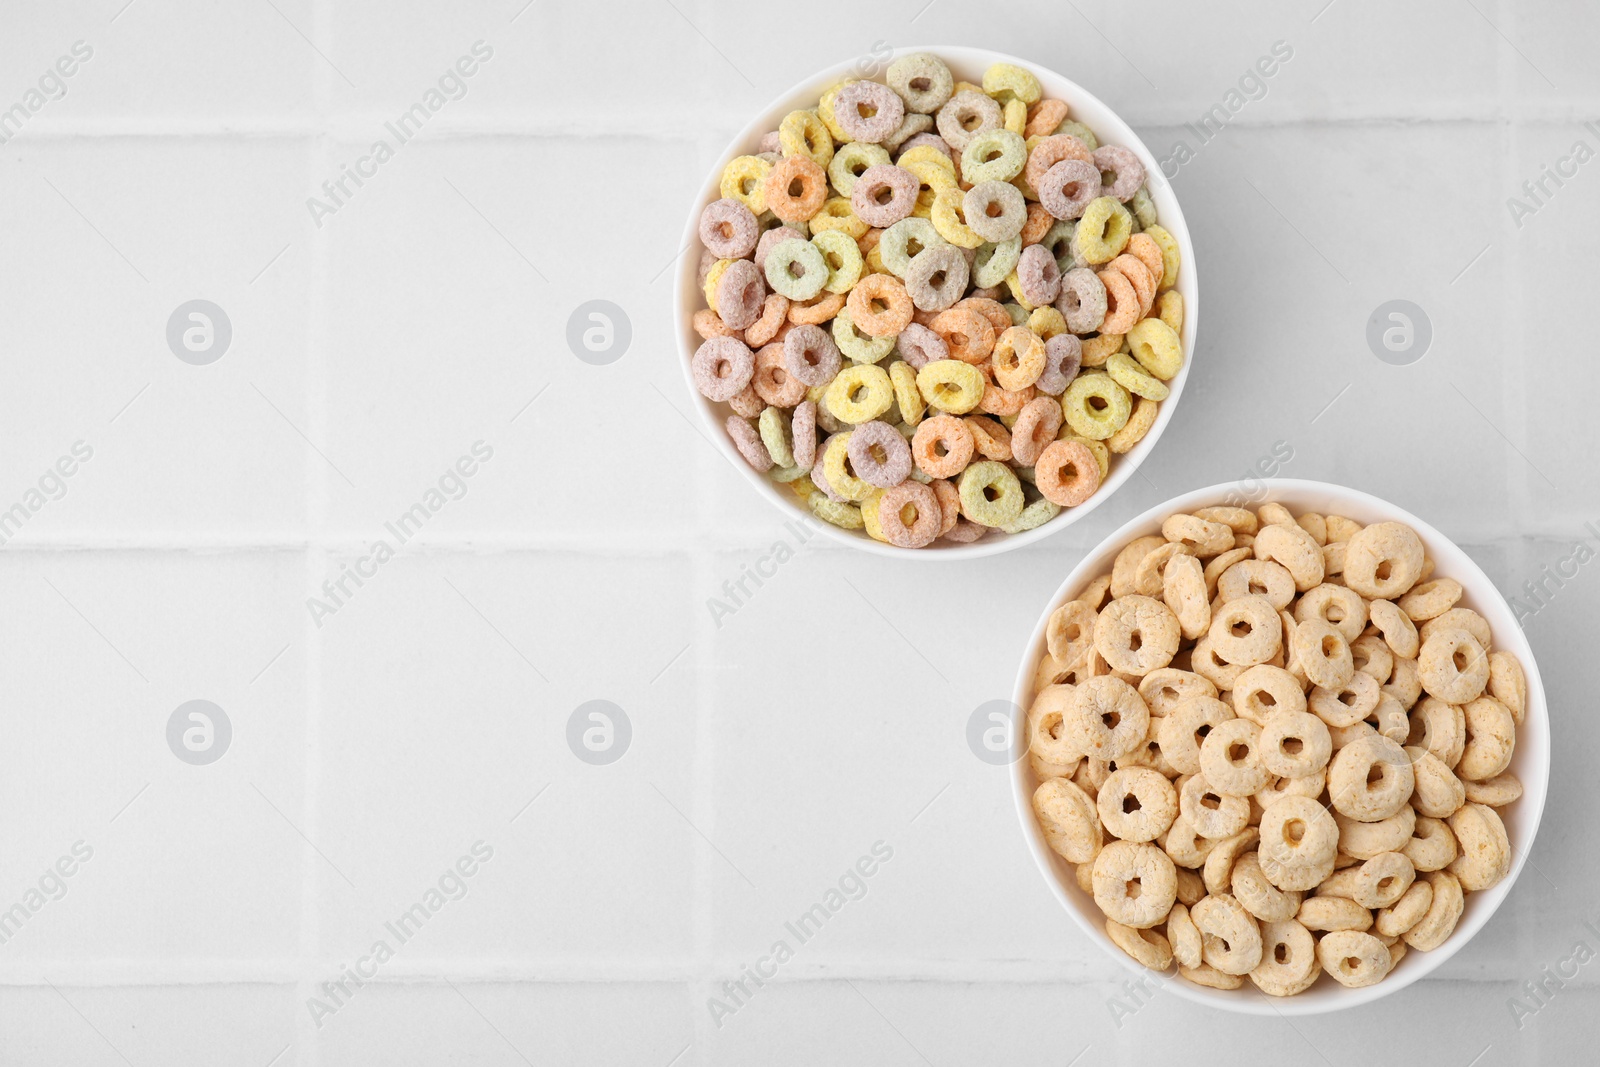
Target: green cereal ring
(1081, 132)
(850, 160)
(994, 155)
(1096, 406)
(995, 262)
(1058, 240)
(904, 240)
(1103, 231)
(1126, 372)
(837, 472)
(785, 475)
(1143, 208)
(796, 269)
(1157, 348)
(990, 493)
(857, 345)
(1018, 313)
(951, 386)
(922, 80)
(771, 425)
(844, 516)
(843, 258)
(1037, 513)
(860, 393)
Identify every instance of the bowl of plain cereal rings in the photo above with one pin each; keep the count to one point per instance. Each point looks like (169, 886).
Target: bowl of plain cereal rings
(1288, 758)
(950, 307)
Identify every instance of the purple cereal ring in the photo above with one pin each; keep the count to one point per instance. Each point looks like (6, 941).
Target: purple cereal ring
(995, 210)
(884, 194)
(770, 142)
(868, 111)
(994, 292)
(722, 367)
(966, 115)
(932, 139)
(1068, 187)
(924, 503)
(804, 429)
(937, 277)
(1038, 276)
(1126, 171)
(1035, 428)
(741, 291)
(748, 442)
(708, 259)
(965, 531)
(867, 442)
(920, 346)
(810, 356)
(776, 235)
(1063, 355)
(728, 229)
(1083, 300)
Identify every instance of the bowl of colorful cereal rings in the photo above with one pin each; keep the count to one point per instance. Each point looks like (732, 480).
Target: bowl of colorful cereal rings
(948, 308)
(1287, 758)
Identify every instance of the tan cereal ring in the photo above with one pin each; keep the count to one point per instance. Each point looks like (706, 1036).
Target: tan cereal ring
(1211, 978)
(1044, 724)
(1217, 872)
(1398, 629)
(1136, 804)
(1431, 846)
(1354, 959)
(1230, 938)
(1355, 792)
(1453, 666)
(1297, 833)
(1163, 690)
(1147, 577)
(1264, 690)
(1145, 946)
(1279, 788)
(1070, 632)
(1183, 590)
(1404, 684)
(1441, 728)
(1364, 840)
(1182, 843)
(1204, 660)
(1203, 538)
(1213, 813)
(1288, 959)
(1136, 634)
(1347, 704)
(1429, 600)
(1371, 655)
(1508, 684)
(1068, 819)
(1334, 604)
(1183, 936)
(1383, 880)
(1230, 758)
(1383, 561)
(1260, 897)
(1246, 631)
(1294, 744)
(1191, 887)
(1444, 911)
(1328, 913)
(1218, 566)
(1494, 792)
(1135, 884)
(1184, 729)
(1294, 549)
(1399, 917)
(1107, 719)
(1485, 850)
(1438, 792)
(1491, 739)
(1257, 577)
(1126, 565)
(1323, 654)
(1273, 513)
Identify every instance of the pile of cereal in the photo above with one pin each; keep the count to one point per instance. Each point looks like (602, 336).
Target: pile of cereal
(1277, 749)
(963, 289)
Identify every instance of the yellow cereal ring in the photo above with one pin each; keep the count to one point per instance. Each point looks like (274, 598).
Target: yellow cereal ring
(924, 154)
(1047, 322)
(1138, 424)
(1103, 231)
(802, 134)
(713, 276)
(869, 516)
(950, 220)
(850, 161)
(860, 394)
(1014, 283)
(829, 119)
(844, 516)
(978, 482)
(1169, 309)
(1096, 406)
(875, 261)
(837, 214)
(843, 257)
(1015, 113)
(744, 180)
(1171, 258)
(838, 475)
(951, 386)
(1010, 78)
(1102, 454)
(965, 87)
(1157, 346)
(904, 378)
(1126, 372)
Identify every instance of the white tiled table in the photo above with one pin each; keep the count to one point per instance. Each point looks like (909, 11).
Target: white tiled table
(428, 312)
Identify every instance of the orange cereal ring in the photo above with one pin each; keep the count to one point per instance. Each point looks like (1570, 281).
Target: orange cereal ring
(816, 311)
(927, 515)
(1067, 473)
(949, 504)
(1034, 431)
(774, 313)
(1144, 283)
(942, 446)
(1038, 224)
(796, 189)
(880, 306)
(1018, 359)
(990, 309)
(709, 324)
(1144, 247)
(1122, 302)
(1044, 118)
(969, 335)
(998, 401)
(1047, 153)
(992, 440)
(772, 381)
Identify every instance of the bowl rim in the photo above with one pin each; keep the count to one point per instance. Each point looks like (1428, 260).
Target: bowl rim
(1172, 219)
(1477, 588)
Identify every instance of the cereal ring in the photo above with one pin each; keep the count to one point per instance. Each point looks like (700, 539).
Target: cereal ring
(740, 294)
(1070, 633)
(1347, 704)
(1452, 666)
(1246, 631)
(1444, 911)
(1491, 739)
(1260, 897)
(1058, 241)
(951, 386)
(850, 160)
(1122, 302)
(1006, 81)
(1144, 248)
(902, 241)
(993, 155)
(1257, 577)
(1095, 406)
(1135, 884)
(858, 347)
(1136, 634)
(833, 476)
(1508, 684)
(942, 446)
(1364, 840)
(774, 316)
(744, 179)
(937, 277)
(709, 324)
(926, 515)
(1353, 958)
(1137, 804)
(796, 269)
(1383, 880)
(843, 258)
(1018, 358)
(1298, 836)
(1321, 653)
(1047, 152)
(803, 135)
(1063, 354)
(773, 383)
(860, 393)
(919, 345)
(1083, 300)
(1264, 691)
(1183, 589)
(844, 516)
(994, 210)
(1458, 619)
(1370, 779)
(1288, 959)
(1068, 188)
(1213, 813)
(1188, 722)
(880, 455)
(1107, 718)
(774, 236)
(1383, 561)
(1038, 276)
(1127, 173)
(748, 442)
(1398, 630)
(1404, 914)
(1184, 845)
(803, 431)
(1102, 232)
(1485, 855)
(1404, 684)
(1429, 600)
(868, 111)
(1230, 758)
(991, 495)
(1068, 819)
(884, 195)
(1125, 370)
(728, 229)
(1035, 429)
(810, 356)
(1211, 978)
(964, 116)
(796, 188)
(722, 367)
(1045, 117)
(1066, 473)
(879, 306)
(1144, 946)
(1295, 744)
(1039, 224)
(1231, 938)
(746, 403)
(994, 263)
(922, 80)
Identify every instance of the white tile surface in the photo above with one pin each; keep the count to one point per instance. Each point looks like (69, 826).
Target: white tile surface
(771, 749)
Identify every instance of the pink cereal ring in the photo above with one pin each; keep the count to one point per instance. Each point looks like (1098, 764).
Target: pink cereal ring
(722, 367)
(1035, 429)
(871, 440)
(1038, 276)
(810, 355)
(1067, 189)
(1052, 150)
(965, 531)
(746, 403)
(965, 115)
(804, 428)
(868, 111)
(729, 229)
(933, 140)
(772, 381)
(1083, 300)
(741, 291)
(1126, 171)
(770, 142)
(920, 346)
(928, 515)
(1063, 355)
(1067, 473)
(748, 442)
(884, 194)
(776, 235)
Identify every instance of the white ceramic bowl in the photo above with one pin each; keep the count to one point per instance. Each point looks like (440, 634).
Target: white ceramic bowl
(967, 64)
(1531, 762)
